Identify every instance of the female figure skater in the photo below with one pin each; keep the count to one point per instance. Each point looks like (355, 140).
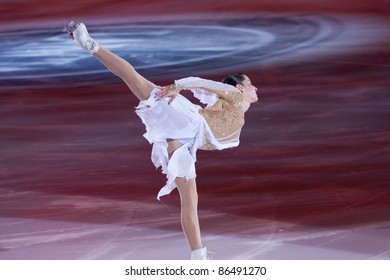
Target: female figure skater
(177, 128)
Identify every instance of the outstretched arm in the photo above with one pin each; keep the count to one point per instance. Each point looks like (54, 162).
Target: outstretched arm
(201, 87)
(206, 91)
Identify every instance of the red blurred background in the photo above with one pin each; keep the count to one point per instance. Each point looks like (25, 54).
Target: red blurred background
(314, 153)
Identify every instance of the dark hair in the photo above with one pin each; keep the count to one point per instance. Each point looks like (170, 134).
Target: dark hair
(234, 79)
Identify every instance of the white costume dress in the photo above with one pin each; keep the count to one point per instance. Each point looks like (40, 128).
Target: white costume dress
(195, 127)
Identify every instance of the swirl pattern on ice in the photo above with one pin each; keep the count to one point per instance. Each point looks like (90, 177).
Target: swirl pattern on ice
(166, 48)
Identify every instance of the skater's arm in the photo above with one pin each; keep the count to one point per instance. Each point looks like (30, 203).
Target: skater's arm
(203, 87)
(207, 92)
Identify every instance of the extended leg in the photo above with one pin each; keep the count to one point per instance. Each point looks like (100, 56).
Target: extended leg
(140, 86)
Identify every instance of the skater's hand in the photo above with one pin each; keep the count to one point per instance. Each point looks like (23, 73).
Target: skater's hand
(168, 91)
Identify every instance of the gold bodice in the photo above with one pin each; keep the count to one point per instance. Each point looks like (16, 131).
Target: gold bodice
(226, 119)
(225, 123)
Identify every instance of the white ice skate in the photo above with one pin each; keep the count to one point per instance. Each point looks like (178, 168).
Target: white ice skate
(201, 254)
(79, 33)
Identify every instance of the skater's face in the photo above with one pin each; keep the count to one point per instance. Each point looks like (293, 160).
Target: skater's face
(248, 90)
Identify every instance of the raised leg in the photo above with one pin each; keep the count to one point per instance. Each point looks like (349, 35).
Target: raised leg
(140, 86)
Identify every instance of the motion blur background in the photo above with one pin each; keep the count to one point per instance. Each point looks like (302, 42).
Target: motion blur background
(310, 179)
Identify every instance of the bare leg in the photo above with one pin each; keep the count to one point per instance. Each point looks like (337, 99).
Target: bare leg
(189, 205)
(140, 86)
(189, 211)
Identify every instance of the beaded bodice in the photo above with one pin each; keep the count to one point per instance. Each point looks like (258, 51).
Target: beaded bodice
(226, 121)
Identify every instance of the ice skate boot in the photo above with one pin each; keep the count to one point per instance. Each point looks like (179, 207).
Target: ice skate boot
(201, 254)
(79, 33)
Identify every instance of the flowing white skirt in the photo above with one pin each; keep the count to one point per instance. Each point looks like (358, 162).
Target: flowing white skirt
(179, 121)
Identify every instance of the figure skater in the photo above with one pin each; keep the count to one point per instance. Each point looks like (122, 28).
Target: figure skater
(177, 128)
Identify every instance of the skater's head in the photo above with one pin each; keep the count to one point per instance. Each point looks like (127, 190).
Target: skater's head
(234, 79)
(244, 84)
